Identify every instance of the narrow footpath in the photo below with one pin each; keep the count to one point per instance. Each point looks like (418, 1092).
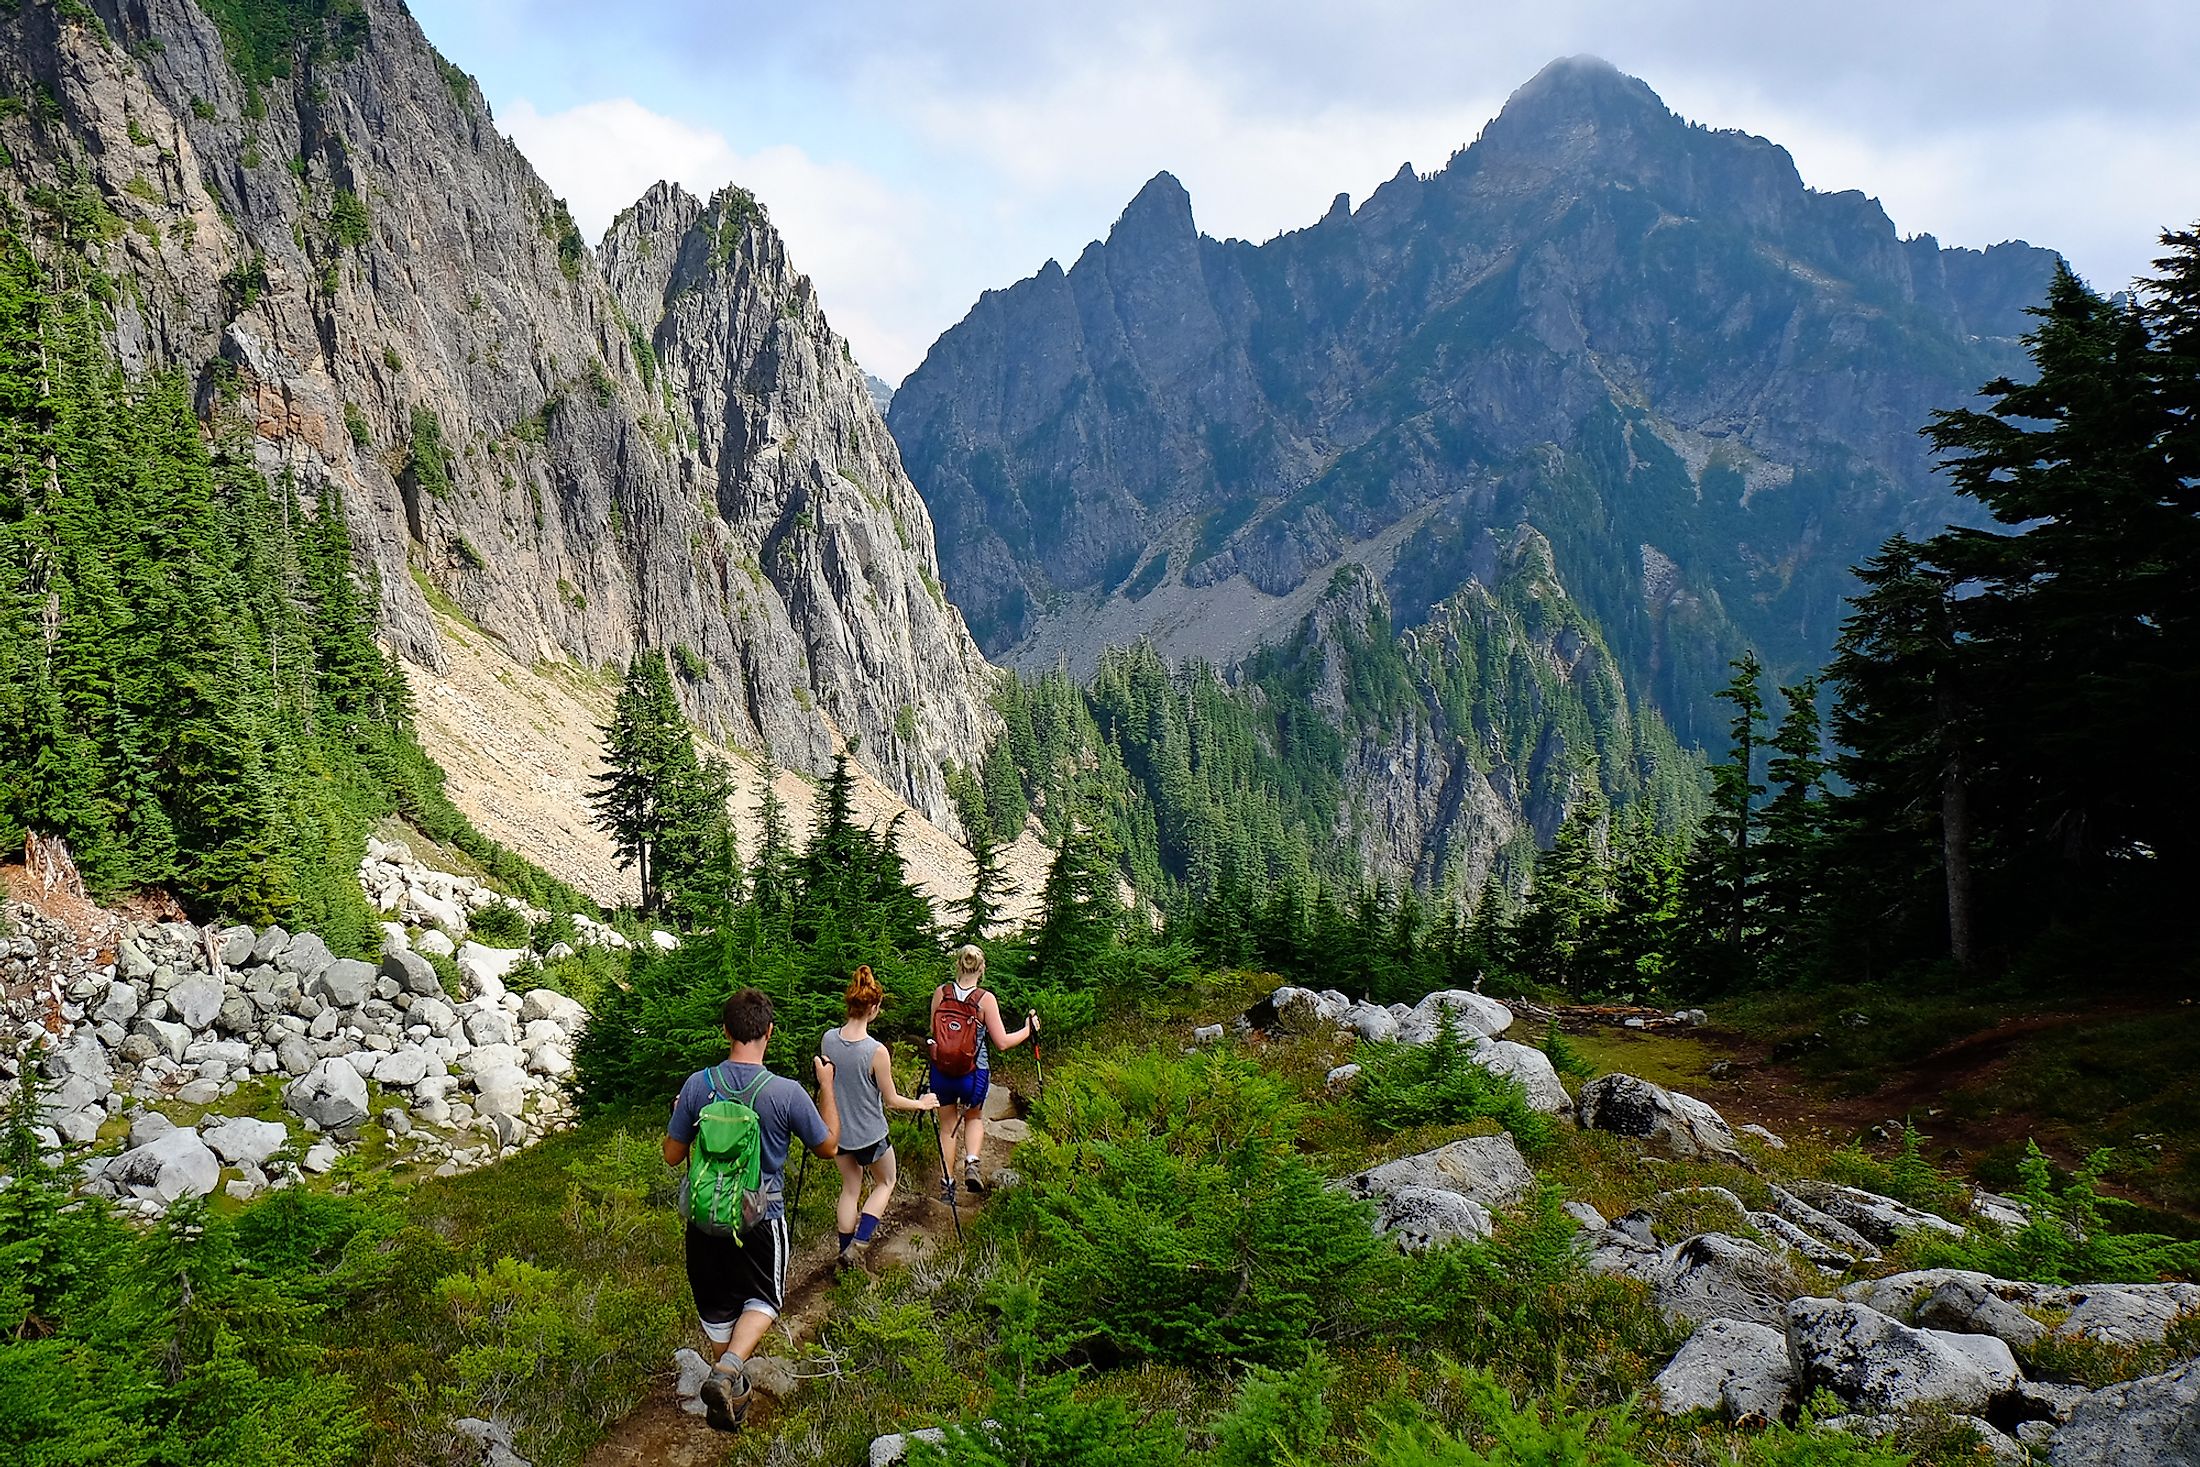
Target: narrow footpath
(659, 1432)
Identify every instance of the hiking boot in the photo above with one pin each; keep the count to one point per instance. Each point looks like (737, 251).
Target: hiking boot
(856, 1258)
(972, 1182)
(726, 1396)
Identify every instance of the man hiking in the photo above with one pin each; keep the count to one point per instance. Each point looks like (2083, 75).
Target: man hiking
(964, 1017)
(863, 1084)
(731, 1128)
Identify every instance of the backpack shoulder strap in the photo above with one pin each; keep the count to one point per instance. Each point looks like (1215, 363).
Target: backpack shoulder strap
(710, 1078)
(747, 1096)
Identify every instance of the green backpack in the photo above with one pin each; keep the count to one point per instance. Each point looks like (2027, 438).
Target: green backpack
(724, 1193)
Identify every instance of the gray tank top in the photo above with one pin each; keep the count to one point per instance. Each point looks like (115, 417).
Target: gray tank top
(862, 1108)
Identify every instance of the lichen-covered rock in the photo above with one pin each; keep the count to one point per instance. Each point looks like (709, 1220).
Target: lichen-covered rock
(1487, 1169)
(1531, 1067)
(545, 1003)
(412, 972)
(1738, 1368)
(1872, 1363)
(1470, 1013)
(245, 1141)
(331, 1095)
(1716, 1276)
(2152, 1422)
(1678, 1124)
(173, 1164)
(1880, 1219)
(1420, 1218)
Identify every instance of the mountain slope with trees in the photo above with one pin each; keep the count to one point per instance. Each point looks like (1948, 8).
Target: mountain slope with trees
(309, 216)
(1699, 380)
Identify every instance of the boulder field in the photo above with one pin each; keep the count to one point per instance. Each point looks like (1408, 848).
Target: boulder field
(166, 1014)
(1772, 1294)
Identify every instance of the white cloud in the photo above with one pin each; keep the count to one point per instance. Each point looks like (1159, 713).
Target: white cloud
(1095, 132)
(845, 226)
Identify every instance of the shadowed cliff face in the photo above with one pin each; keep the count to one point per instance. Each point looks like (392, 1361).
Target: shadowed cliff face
(668, 446)
(1701, 381)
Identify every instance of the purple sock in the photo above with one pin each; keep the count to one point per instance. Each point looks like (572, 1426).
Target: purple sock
(865, 1226)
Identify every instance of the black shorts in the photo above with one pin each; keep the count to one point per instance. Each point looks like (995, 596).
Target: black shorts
(732, 1275)
(866, 1155)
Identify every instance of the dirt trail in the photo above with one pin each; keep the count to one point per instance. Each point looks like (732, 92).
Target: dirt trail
(658, 1433)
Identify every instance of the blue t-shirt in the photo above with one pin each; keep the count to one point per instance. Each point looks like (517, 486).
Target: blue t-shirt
(783, 1109)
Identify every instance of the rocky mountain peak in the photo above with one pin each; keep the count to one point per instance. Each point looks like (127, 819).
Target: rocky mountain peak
(1581, 89)
(1162, 210)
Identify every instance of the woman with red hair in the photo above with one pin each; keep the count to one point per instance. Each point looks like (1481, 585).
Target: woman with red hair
(863, 1083)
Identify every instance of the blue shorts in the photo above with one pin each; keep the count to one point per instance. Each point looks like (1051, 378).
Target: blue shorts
(959, 1089)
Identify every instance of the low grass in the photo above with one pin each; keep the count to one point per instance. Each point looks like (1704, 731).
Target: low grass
(1676, 1060)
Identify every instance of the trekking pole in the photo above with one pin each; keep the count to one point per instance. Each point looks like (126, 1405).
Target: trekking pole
(1038, 1058)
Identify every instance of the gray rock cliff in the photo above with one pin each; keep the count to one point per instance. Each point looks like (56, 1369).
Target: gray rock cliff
(666, 447)
(1700, 380)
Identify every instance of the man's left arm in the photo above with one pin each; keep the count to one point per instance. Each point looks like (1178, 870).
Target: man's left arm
(680, 1130)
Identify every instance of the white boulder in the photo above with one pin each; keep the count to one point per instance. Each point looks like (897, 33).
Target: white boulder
(332, 1095)
(1874, 1364)
(1678, 1124)
(1489, 1170)
(246, 1142)
(173, 1164)
(1737, 1368)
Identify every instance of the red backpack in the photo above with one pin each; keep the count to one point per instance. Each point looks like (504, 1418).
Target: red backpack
(957, 1024)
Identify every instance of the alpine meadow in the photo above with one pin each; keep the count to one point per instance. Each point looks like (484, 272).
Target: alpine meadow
(1540, 821)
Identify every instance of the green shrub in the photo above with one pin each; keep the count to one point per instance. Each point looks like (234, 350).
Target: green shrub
(347, 220)
(1401, 1086)
(533, 1344)
(1279, 1416)
(446, 968)
(689, 662)
(1569, 1061)
(588, 974)
(1212, 1104)
(1035, 1418)
(499, 924)
(355, 423)
(1525, 1305)
(1497, 1431)
(2068, 1240)
(1176, 1222)
(1806, 1444)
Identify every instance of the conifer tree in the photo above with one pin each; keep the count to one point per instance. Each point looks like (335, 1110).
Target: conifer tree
(1570, 898)
(1788, 855)
(990, 884)
(1079, 915)
(664, 807)
(1723, 875)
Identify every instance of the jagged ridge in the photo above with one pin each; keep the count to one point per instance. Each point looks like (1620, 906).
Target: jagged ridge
(353, 260)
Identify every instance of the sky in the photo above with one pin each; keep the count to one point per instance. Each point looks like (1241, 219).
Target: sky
(915, 154)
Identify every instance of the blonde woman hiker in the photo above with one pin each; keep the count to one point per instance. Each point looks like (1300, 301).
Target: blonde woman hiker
(964, 1018)
(863, 1083)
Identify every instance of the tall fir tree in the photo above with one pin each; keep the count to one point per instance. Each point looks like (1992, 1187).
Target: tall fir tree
(1722, 876)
